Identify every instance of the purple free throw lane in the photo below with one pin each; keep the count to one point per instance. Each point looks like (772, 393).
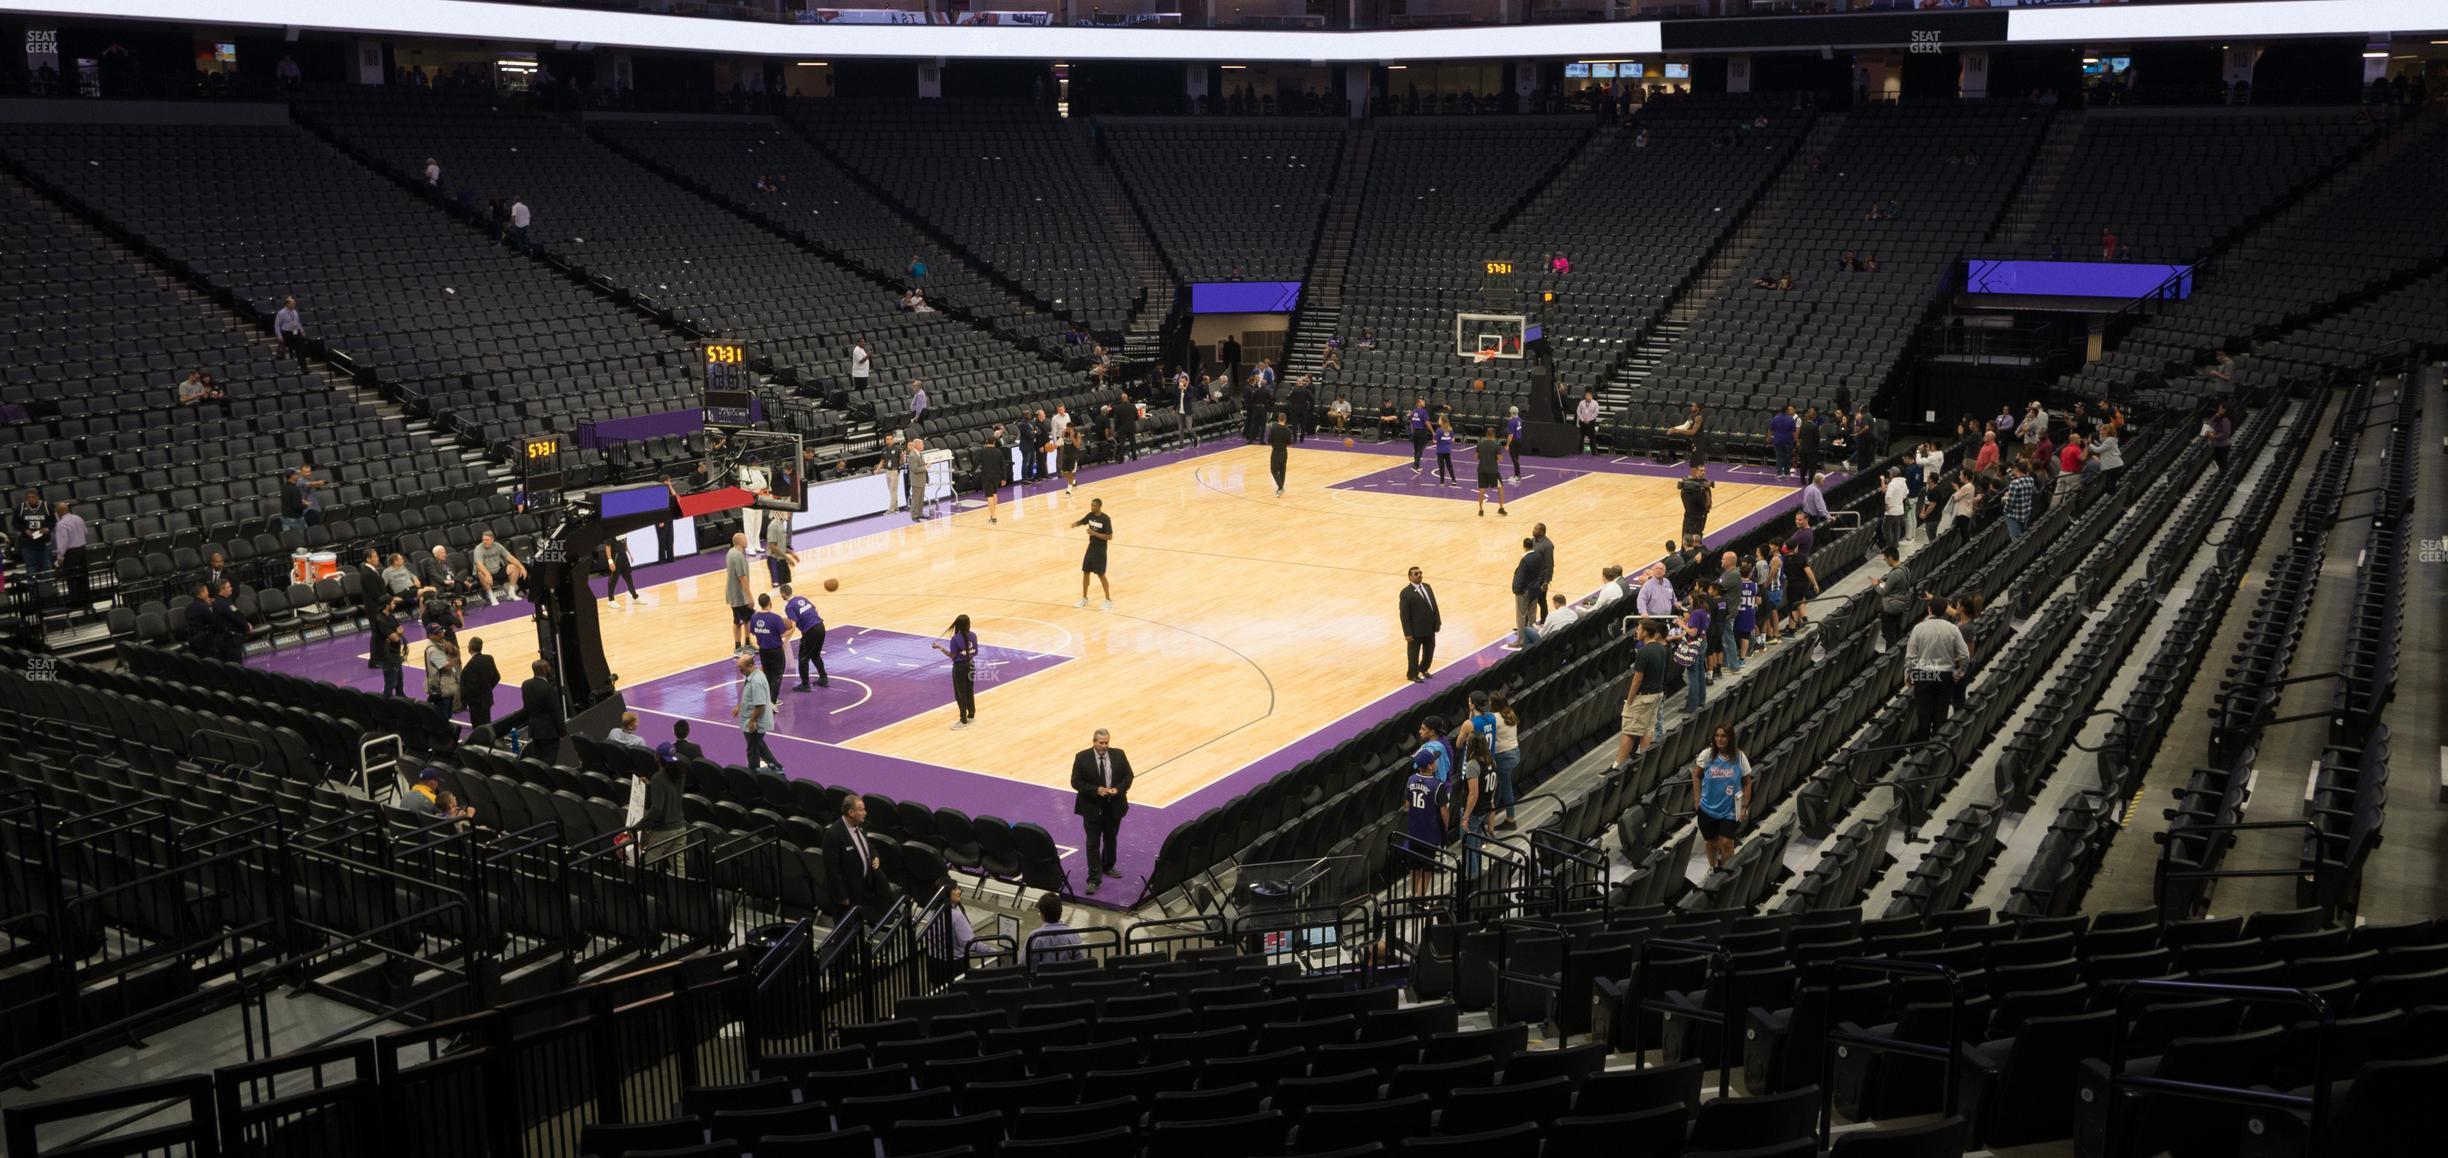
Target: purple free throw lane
(878, 678)
(1400, 480)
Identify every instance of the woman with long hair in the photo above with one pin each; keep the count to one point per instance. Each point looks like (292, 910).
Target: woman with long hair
(961, 645)
(1506, 749)
(1474, 795)
(442, 674)
(1721, 793)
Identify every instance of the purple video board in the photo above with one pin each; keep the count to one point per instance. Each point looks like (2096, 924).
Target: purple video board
(2122, 280)
(632, 502)
(1244, 297)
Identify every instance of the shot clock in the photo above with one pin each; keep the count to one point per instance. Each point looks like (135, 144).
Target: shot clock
(540, 468)
(729, 385)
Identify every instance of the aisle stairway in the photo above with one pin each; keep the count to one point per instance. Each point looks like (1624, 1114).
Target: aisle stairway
(1142, 336)
(1321, 310)
(1645, 355)
(2040, 183)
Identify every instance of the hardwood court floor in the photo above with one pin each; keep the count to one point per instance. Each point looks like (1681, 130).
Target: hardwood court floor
(1241, 621)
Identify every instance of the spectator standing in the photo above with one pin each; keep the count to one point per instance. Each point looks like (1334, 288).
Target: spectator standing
(1896, 499)
(663, 825)
(1721, 793)
(1814, 500)
(854, 872)
(1526, 593)
(289, 330)
(520, 218)
(1424, 814)
(1935, 656)
(755, 715)
(479, 680)
(1652, 670)
(1781, 439)
(389, 648)
(68, 538)
(2219, 428)
(232, 636)
(2109, 453)
(1699, 494)
(540, 698)
(433, 175)
(2021, 492)
(1987, 459)
(1586, 415)
(1691, 652)
(197, 618)
(1806, 444)
(1506, 747)
(1798, 548)
(441, 674)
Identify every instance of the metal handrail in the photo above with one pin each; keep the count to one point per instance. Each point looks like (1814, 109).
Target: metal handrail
(1721, 967)
(2317, 1102)
(2161, 874)
(1839, 1036)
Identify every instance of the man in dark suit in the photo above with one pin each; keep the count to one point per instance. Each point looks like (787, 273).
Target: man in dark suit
(1100, 781)
(479, 679)
(1420, 622)
(202, 628)
(370, 582)
(1126, 427)
(1298, 403)
(546, 726)
(233, 622)
(854, 872)
(1032, 445)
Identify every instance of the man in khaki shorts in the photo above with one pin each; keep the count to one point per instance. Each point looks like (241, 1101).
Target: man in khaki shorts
(1652, 671)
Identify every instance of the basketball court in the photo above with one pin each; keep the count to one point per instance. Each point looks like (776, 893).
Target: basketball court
(1248, 630)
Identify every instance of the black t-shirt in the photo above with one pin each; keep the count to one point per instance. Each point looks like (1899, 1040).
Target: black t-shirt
(1279, 437)
(1655, 667)
(1097, 521)
(1696, 496)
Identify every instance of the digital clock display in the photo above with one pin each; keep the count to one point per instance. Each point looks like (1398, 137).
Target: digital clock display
(1499, 269)
(543, 447)
(726, 366)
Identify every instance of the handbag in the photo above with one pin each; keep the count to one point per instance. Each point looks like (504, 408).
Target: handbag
(1687, 652)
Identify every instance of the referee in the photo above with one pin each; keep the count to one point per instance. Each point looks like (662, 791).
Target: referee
(767, 629)
(1100, 532)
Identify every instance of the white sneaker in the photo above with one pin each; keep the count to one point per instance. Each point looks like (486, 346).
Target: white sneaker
(960, 725)
(1108, 606)
(1083, 603)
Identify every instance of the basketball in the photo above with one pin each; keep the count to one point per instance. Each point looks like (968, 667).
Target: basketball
(832, 584)
(1478, 384)
(1347, 444)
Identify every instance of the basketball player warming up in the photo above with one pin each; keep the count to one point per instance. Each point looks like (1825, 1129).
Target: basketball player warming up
(1100, 532)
